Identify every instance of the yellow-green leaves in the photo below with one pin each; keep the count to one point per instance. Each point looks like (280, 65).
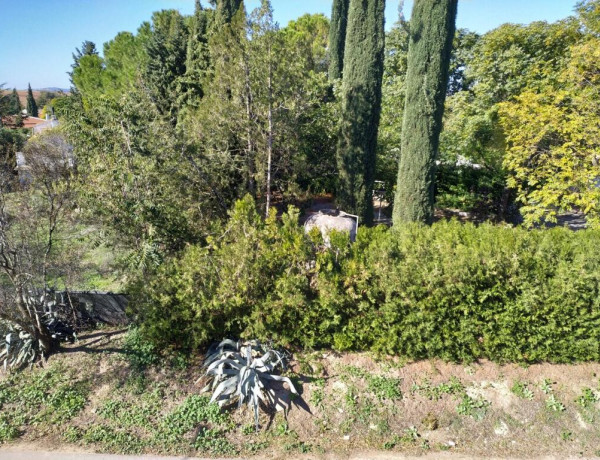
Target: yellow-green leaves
(553, 139)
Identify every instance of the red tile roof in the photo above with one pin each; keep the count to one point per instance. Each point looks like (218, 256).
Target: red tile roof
(28, 122)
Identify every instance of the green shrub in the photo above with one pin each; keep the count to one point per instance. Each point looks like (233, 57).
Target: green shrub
(452, 291)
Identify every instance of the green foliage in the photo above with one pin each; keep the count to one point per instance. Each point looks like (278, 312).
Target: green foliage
(166, 64)
(14, 107)
(552, 141)
(473, 407)
(7, 430)
(431, 34)
(382, 387)
(554, 405)
(129, 414)
(337, 38)
(214, 442)
(522, 390)
(226, 10)
(588, 398)
(190, 413)
(32, 108)
(51, 396)
(140, 352)
(360, 107)
(435, 393)
(453, 291)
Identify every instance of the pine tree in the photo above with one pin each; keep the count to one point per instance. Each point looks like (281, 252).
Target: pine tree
(432, 28)
(32, 109)
(15, 106)
(166, 66)
(337, 38)
(361, 107)
(226, 10)
(88, 48)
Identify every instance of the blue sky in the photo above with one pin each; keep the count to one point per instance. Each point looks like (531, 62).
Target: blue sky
(37, 37)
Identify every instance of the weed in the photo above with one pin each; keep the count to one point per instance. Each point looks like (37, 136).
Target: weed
(193, 411)
(72, 434)
(522, 390)
(384, 387)
(546, 386)
(435, 393)
(300, 446)
(587, 399)
(248, 429)
(129, 415)
(67, 401)
(474, 407)
(140, 352)
(410, 436)
(254, 447)
(318, 395)
(430, 422)
(214, 441)
(389, 445)
(137, 382)
(282, 429)
(566, 435)
(554, 405)
(7, 430)
(179, 361)
(120, 441)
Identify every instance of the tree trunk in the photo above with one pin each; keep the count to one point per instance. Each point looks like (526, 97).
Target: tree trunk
(270, 132)
(361, 107)
(432, 28)
(250, 167)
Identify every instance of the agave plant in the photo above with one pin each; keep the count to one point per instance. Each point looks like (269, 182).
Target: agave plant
(17, 347)
(244, 372)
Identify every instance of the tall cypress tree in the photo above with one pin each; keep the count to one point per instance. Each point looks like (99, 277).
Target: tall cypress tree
(361, 107)
(337, 38)
(15, 106)
(226, 10)
(432, 27)
(32, 108)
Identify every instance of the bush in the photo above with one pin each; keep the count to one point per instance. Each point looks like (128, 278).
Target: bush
(453, 291)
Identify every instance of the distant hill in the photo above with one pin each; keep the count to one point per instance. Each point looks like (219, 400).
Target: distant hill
(53, 89)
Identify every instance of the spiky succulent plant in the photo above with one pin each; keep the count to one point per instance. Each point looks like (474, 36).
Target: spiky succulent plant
(17, 347)
(244, 372)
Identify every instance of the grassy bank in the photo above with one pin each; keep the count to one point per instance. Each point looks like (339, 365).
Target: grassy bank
(110, 393)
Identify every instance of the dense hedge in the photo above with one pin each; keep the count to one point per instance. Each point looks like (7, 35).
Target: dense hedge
(453, 291)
